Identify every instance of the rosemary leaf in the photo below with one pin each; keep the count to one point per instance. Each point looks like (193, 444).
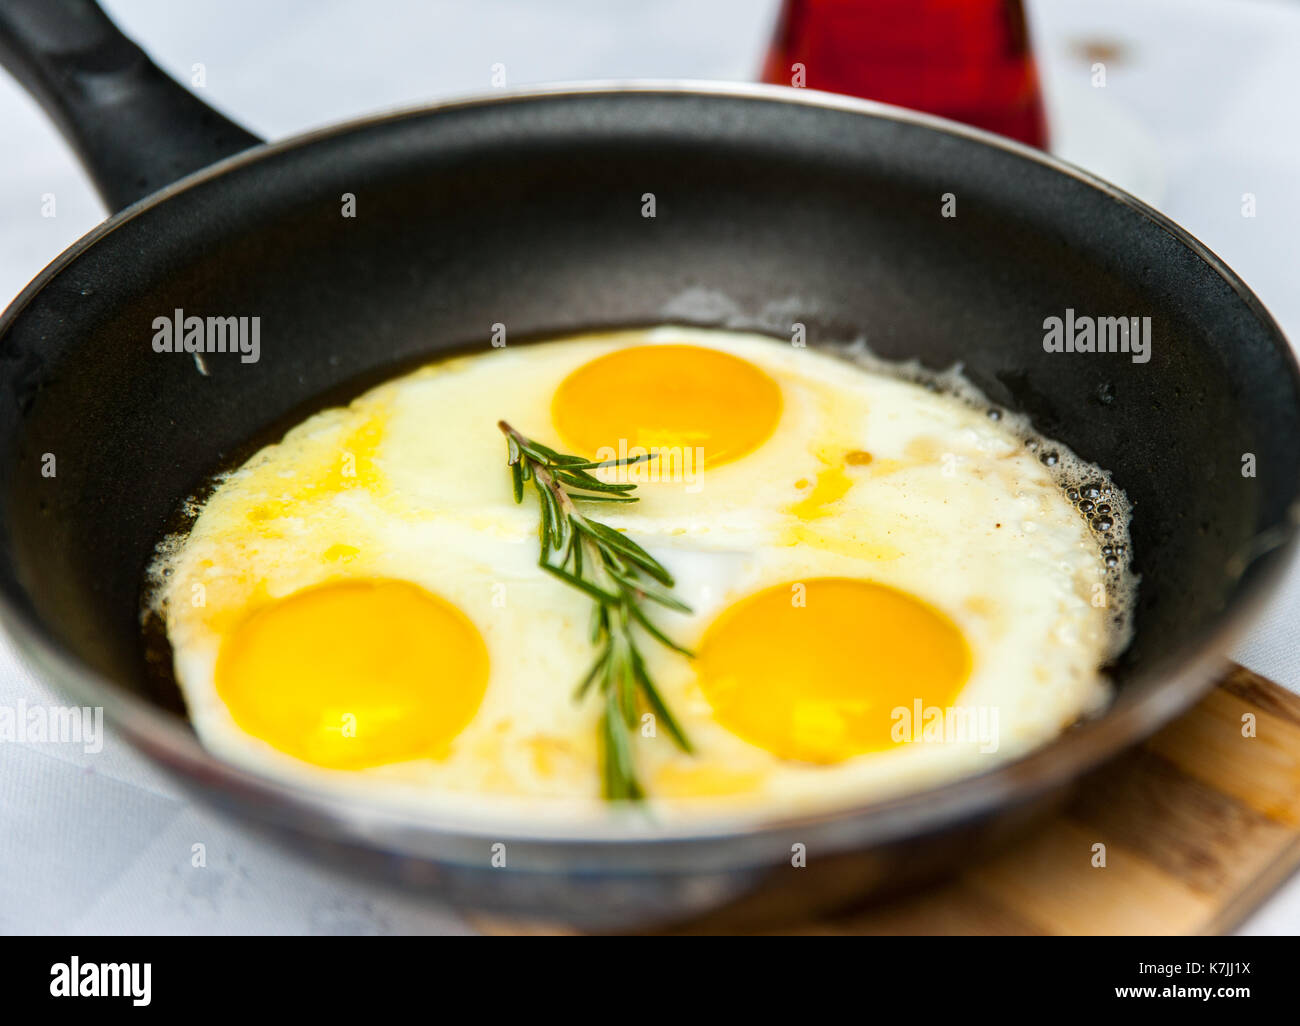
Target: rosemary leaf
(578, 582)
(656, 703)
(653, 592)
(596, 668)
(629, 462)
(590, 483)
(607, 498)
(626, 546)
(659, 635)
(517, 479)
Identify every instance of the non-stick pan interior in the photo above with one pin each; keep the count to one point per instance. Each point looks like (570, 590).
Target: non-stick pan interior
(530, 213)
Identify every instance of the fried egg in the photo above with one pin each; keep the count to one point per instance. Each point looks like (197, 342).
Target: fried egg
(891, 585)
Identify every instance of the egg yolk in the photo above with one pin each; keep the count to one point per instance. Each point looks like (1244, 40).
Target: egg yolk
(668, 396)
(814, 670)
(354, 673)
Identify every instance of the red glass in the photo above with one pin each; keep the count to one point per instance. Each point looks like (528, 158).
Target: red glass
(969, 60)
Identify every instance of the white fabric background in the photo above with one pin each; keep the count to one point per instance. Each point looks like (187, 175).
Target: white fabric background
(1200, 106)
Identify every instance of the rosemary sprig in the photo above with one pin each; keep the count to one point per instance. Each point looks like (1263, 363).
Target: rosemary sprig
(620, 576)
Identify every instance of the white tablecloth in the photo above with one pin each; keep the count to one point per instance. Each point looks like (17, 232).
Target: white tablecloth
(1198, 108)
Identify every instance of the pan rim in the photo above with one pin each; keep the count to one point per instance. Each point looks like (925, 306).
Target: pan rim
(1178, 679)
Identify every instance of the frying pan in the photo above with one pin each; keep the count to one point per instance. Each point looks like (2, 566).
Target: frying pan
(773, 206)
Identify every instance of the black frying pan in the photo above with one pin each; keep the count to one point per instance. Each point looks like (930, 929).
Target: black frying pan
(773, 206)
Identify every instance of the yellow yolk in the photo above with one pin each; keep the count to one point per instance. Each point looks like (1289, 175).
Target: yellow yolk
(814, 670)
(354, 673)
(667, 397)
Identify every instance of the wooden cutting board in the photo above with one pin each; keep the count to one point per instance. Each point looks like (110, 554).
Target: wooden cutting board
(1200, 824)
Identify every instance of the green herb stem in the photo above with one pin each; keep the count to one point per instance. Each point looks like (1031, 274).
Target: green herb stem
(620, 577)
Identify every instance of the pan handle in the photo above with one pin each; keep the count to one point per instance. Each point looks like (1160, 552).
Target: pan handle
(134, 129)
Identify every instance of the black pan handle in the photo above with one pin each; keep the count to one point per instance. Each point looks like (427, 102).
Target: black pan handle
(134, 128)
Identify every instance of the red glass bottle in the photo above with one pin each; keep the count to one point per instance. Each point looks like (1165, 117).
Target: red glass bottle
(969, 60)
